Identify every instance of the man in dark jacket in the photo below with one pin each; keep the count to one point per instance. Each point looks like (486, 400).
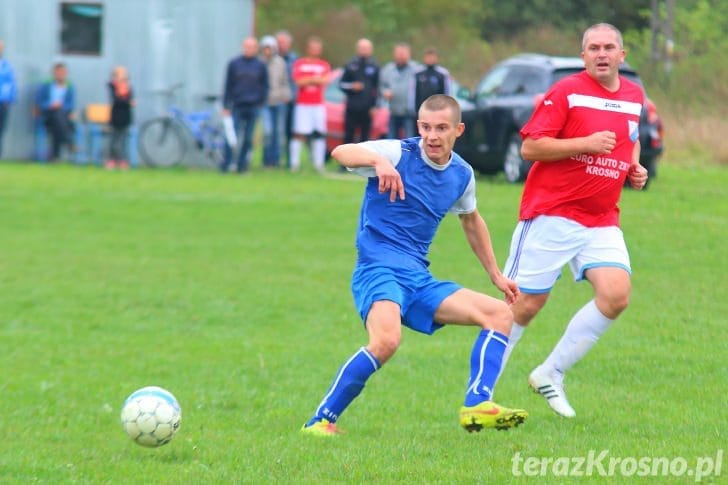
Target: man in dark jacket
(246, 91)
(360, 82)
(431, 79)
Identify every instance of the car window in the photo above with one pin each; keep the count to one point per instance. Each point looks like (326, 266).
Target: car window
(560, 74)
(632, 76)
(492, 81)
(523, 80)
(333, 93)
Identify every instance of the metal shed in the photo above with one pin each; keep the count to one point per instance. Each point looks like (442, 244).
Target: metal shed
(162, 42)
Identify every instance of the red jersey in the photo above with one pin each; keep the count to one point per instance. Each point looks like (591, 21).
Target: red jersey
(584, 188)
(309, 66)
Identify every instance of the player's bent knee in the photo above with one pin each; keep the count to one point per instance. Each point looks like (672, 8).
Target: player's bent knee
(527, 307)
(384, 346)
(500, 318)
(385, 329)
(622, 301)
(613, 304)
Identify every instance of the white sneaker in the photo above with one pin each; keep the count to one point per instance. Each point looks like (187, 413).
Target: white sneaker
(551, 386)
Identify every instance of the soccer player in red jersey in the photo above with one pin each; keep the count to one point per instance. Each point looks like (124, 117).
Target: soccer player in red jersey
(311, 74)
(584, 138)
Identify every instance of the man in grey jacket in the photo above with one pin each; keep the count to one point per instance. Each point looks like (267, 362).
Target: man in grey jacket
(395, 84)
(279, 94)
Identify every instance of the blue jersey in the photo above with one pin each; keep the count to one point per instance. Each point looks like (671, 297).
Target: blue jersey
(398, 234)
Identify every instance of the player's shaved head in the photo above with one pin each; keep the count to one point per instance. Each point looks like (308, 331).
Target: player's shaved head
(439, 102)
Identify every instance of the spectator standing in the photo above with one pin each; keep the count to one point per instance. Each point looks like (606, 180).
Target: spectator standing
(431, 79)
(395, 82)
(285, 41)
(246, 91)
(311, 74)
(122, 101)
(279, 94)
(55, 101)
(360, 83)
(8, 91)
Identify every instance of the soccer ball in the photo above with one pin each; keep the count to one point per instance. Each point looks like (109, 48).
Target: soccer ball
(151, 416)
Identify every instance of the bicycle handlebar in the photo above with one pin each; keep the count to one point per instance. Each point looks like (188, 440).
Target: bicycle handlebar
(169, 90)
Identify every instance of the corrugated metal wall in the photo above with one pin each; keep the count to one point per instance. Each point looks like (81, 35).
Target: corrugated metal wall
(162, 42)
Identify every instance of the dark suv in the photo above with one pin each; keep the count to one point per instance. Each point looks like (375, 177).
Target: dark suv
(504, 100)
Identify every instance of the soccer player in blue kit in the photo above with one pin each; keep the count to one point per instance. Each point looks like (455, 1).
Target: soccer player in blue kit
(412, 184)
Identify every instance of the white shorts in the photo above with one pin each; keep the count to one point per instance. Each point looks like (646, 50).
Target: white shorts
(542, 246)
(308, 118)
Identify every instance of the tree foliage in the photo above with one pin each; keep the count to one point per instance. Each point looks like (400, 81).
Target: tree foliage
(474, 34)
(419, 22)
(506, 20)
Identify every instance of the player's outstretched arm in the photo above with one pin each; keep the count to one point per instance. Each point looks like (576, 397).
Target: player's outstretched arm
(476, 231)
(353, 155)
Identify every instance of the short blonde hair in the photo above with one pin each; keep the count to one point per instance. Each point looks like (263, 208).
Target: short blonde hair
(119, 72)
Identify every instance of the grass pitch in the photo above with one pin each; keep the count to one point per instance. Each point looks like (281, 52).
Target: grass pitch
(233, 293)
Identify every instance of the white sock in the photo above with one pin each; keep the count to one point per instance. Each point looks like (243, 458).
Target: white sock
(513, 338)
(581, 334)
(318, 153)
(295, 154)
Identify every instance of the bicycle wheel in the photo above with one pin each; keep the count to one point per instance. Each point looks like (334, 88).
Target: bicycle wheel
(213, 144)
(162, 142)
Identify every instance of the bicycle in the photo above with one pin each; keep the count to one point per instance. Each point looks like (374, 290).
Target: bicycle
(164, 141)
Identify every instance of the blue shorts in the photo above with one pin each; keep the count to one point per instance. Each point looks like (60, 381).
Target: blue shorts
(417, 293)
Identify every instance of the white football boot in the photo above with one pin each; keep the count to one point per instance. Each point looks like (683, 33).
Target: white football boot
(551, 386)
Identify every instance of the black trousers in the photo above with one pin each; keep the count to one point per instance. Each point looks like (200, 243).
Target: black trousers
(61, 129)
(356, 119)
(117, 144)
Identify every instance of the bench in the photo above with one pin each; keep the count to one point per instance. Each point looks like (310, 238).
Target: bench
(90, 136)
(96, 117)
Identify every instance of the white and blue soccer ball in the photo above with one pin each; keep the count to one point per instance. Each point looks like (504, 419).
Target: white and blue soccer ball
(151, 416)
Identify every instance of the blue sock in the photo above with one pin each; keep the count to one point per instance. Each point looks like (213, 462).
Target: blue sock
(348, 383)
(485, 366)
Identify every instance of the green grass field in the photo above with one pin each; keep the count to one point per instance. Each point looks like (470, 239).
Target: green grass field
(233, 293)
